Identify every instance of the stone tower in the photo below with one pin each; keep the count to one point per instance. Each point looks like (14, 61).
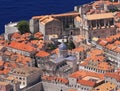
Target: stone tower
(62, 50)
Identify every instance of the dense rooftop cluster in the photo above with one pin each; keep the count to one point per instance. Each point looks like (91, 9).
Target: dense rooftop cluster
(42, 60)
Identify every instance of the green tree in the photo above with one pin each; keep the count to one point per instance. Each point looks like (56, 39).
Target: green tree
(23, 26)
(71, 45)
(51, 46)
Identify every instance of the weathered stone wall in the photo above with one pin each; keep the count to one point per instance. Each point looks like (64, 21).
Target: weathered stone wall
(54, 87)
(10, 29)
(36, 87)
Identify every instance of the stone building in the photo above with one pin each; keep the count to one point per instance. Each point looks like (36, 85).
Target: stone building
(4, 86)
(58, 83)
(80, 53)
(10, 29)
(113, 78)
(106, 86)
(59, 63)
(79, 81)
(111, 47)
(85, 80)
(98, 25)
(64, 24)
(21, 48)
(41, 58)
(50, 26)
(27, 76)
(96, 61)
(96, 20)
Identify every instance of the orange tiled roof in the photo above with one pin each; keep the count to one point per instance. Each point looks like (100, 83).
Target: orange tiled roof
(22, 59)
(7, 67)
(56, 15)
(117, 49)
(42, 54)
(110, 46)
(117, 24)
(113, 75)
(16, 35)
(117, 43)
(21, 46)
(78, 74)
(55, 51)
(105, 66)
(61, 80)
(79, 49)
(109, 39)
(118, 14)
(1, 63)
(86, 83)
(103, 42)
(96, 52)
(66, 14)
(96, 58)
(38, 35)
(83, 73)
(57, 79)
(26, 34)
(72, 90)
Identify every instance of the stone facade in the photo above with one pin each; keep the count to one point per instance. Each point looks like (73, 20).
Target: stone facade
(62, 24)
(27, 76)
(50, 26)
(10, 29)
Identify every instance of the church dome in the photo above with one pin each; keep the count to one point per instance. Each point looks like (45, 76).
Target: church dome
(62, 46)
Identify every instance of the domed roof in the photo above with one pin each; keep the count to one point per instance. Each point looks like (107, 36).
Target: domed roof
(62, 46)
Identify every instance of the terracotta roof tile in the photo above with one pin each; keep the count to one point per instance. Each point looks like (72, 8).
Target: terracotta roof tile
(22, 46)
(79, 49)
(16, 35)
(86, 83)
(56, 79)
(105, 66)
(103, 42)
(113, 75)
(110, 46)
(72, 89)
(42, 54)
(55, 51)
(83, 73)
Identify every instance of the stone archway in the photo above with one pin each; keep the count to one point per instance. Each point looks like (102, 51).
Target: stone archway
(71, 32)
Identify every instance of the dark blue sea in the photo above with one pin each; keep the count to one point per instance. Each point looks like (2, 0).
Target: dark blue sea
(15, 10)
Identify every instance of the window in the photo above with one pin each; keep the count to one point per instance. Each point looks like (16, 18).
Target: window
(23, 83)
(111, 22)
(101, 22)
(20, 78)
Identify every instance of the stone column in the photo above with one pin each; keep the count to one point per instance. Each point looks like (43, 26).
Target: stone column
(104, 23)
(108, 23)
(97, 24)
